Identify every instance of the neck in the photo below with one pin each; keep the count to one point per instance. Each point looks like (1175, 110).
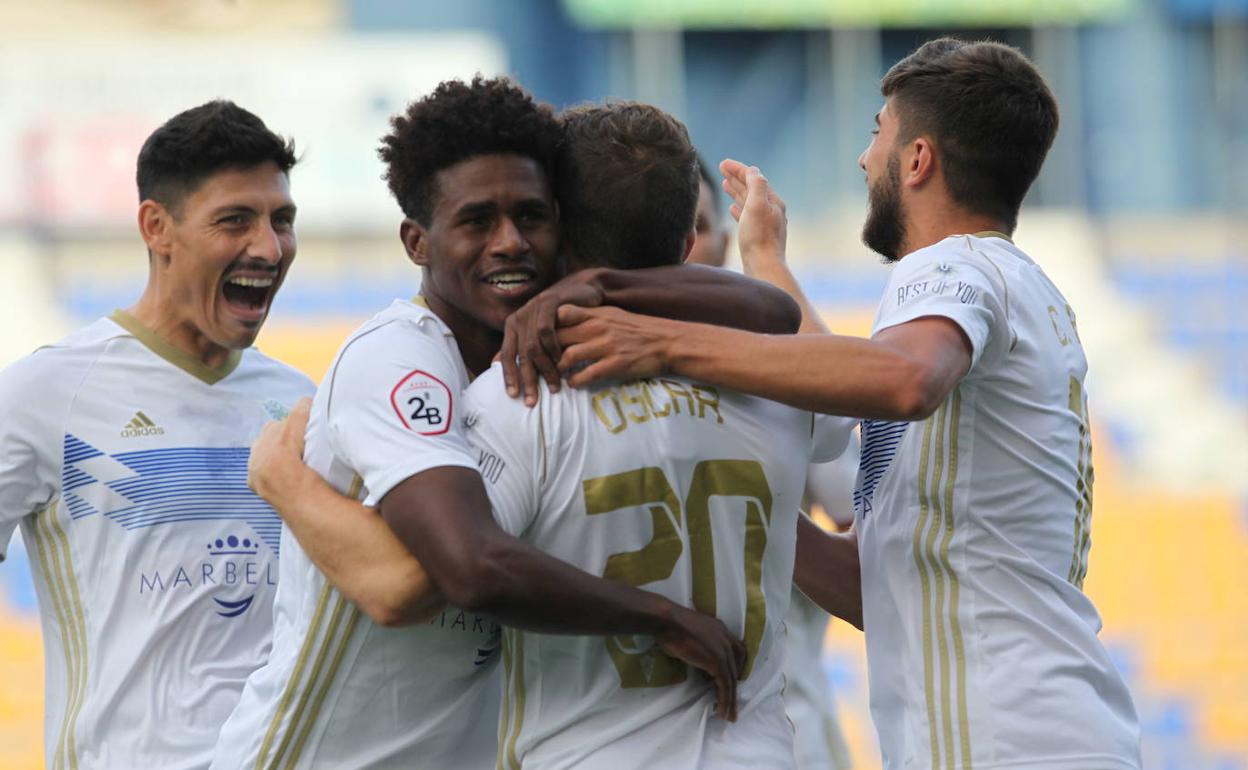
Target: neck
(159, 313)
(927, 225)
(477, 343)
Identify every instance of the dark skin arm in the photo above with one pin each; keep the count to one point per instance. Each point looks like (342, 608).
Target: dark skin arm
(827, 570)
(443, 516)
(698, 293)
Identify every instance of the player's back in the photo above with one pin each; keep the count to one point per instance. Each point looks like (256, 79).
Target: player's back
(674, 487)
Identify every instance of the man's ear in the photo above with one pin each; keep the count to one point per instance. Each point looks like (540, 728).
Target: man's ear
(921, 163)
(690, 238)
(155, 223)
(413, 236)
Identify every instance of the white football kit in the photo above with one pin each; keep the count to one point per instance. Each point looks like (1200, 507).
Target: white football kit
(125, 462)
(674, 487)
(973, 533)
(338, 690)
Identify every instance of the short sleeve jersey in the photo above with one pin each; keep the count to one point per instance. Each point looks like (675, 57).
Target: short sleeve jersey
(124, 462)
(340, 691)
(672, 486)
(973, 532)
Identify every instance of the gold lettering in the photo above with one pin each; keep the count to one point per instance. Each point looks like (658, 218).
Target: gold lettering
(1070, 313)
(646, 394)
(635, 399)
(604, 395)
(1061, 335)
(676, 390)
(707, 396)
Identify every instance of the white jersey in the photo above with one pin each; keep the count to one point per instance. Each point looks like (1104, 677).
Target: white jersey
(125, 462)
(338, 690)
(668, 485)
(819, 742)
(973, 533)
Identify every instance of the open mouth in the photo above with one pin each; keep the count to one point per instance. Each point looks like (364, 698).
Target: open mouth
(248, 296)
(511, 282)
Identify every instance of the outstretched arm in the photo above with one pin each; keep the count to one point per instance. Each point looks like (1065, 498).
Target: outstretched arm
(688, 292)
(347, 541)
(902, 373)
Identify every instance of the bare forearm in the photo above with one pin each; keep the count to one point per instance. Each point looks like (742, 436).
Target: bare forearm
(359, 554)
(827, 570)
(702, 294)
(824, 373)
(775, 271)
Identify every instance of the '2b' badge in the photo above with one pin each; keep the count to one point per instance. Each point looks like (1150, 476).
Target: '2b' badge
(423, 403)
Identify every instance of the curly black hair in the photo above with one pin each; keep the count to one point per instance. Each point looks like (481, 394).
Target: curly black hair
(197, 143)
(459, 121)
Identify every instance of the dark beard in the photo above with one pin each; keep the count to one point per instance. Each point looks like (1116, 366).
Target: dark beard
(883, 231)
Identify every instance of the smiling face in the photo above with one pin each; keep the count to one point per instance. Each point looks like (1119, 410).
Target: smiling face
(884, 230)
(220, 255)
(490, 242)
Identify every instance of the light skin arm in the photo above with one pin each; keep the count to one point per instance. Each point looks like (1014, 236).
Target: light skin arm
(826, 569)
(761, 236)
(902, 373)
(346, 540)
(688, 292)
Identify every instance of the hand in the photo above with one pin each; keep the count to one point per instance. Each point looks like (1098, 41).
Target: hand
(759, 210)
(530, 341)
(611, 343)
(705, 643)
(275, 467)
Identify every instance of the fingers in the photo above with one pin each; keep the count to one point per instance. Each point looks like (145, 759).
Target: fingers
(528, 380)
(507, 357)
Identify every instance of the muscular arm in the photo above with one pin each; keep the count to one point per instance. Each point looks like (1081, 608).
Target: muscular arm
(827, 570)
(347, 541)
(902, 373)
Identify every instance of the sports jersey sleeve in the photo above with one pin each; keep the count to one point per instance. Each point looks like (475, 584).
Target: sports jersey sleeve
(30, 456)
(393, 407)
(829, 436)
(951, 282)
(510, 441)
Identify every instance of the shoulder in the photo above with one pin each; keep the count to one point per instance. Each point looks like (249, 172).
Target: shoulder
(395, 330)
(61, 364)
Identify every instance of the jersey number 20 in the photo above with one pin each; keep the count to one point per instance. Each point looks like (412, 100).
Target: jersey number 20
(649, 489)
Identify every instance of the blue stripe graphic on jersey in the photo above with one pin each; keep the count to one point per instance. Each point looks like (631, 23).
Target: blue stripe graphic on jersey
(176, 484)
(77, 450)
(880, 439)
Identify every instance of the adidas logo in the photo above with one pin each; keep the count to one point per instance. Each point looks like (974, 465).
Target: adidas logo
(141, 425)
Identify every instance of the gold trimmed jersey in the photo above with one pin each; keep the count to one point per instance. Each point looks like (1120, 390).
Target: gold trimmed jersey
(124, 462)
(973, 531)
(338, 690)
(675, 487)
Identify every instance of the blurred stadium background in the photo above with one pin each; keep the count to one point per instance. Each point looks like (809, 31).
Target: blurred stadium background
(1141, 215)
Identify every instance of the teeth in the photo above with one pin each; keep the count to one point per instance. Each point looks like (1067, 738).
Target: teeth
(507, 279)
(255, 283)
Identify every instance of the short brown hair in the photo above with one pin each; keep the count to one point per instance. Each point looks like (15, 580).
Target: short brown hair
(989, 112)
(627, 182)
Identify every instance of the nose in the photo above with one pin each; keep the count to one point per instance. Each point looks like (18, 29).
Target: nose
(267, 243)
(507, 240)
(862, 160)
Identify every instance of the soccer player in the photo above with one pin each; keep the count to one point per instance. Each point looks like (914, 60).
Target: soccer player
(470, 167)
(974, 493)
(669, 484)
(123, 456)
